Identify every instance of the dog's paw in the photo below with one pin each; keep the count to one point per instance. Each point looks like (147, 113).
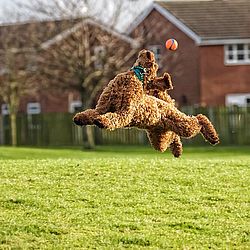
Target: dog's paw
(101, 122)
(81, 119)
(77, 120)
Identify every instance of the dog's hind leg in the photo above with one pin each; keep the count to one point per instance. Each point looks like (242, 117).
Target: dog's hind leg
(188, 126)
(182, 124)
(208, 131)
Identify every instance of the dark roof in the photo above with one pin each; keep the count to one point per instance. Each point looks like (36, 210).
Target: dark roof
(214, 19)
(44, 33)
(32, 34)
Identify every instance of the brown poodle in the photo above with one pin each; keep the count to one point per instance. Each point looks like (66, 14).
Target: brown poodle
(124, 103)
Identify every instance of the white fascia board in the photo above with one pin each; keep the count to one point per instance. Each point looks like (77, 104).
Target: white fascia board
(19, 50)
(224, 41)
(178, 23)
(68, 32)
(125, 38)
(140, 19)
(61, 36)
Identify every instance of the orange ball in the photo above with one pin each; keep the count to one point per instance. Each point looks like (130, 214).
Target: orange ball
(171, 44)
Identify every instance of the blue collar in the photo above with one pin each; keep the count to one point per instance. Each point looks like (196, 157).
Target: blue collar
(139, 72)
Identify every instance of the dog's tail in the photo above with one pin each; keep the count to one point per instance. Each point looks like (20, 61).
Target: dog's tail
(208, 131)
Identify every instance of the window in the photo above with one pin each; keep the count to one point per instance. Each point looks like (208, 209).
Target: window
(248, 101)
(33, 108)
(237, 53)
(3, 71)
(75, 106)
(5, 109)
(32, 63)
(241, 100)
(99, 52)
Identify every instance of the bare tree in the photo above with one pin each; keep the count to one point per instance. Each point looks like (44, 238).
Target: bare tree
(85, 56)
(16, 77)
(83, 59)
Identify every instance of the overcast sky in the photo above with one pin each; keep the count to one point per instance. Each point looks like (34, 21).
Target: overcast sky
(3, 5)
(138, 6)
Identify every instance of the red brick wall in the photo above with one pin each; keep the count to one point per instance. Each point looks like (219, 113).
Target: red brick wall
(183, 64)
(217, 80)
(51, 101)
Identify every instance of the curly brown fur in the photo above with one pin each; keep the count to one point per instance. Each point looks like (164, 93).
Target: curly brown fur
(86, 118)
(160, 140)
(159, 87)
(207, 130)
(123, 103)
(176, 146)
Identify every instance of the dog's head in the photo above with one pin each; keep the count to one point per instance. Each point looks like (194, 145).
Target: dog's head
(146, 59)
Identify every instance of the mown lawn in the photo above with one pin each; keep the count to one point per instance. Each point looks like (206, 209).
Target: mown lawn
(124, 197)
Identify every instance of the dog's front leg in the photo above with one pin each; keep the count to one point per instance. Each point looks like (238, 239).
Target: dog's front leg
(113, 121)
(86, 117)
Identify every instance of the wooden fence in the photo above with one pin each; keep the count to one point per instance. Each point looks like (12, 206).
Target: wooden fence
(57, 129)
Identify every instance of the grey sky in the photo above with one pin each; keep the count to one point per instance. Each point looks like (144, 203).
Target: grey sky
(139, 5)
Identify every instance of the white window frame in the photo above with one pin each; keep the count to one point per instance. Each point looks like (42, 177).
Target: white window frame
(157, 50)
(33, 108)
(235, 52)
(3, 71)
(73, 105)
(5, 109)
(239, 99)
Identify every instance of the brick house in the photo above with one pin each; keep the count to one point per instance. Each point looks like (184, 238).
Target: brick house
(48, 36)
(212, 64)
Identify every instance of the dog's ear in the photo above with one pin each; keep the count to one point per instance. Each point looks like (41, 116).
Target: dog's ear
(167, 81)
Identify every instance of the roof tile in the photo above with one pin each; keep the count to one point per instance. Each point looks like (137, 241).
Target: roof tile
(216, 19)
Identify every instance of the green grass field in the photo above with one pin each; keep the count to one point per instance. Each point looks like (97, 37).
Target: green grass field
(124, 197)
